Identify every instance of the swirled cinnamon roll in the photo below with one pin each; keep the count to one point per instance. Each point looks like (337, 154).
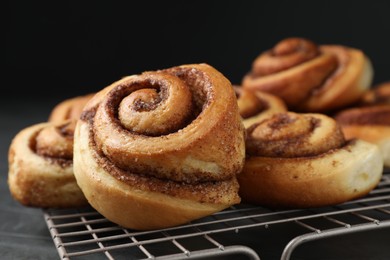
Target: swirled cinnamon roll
(69, 109)
(370, 121)
(311, 78)
(41, 160)
(303, 160)
(254, 106)
(378, 95)
(161, 148)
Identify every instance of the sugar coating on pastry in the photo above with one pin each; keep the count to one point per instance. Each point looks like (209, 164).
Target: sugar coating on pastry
(41, 159)
(41, 168)
(255, 105)
(370, 123)
(310, 77)
(302, 161)
(143, 171)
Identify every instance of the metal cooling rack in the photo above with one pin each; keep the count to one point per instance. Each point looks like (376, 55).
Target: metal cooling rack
(84, 233)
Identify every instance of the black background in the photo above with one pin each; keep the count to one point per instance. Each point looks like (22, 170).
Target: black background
(64, 48)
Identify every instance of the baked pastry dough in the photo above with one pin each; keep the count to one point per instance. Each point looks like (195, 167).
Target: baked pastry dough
(255, 106)
(41, 160)
(370, 121)
(311, 78)
(378, 95)
(69, 109)
(161, 148)
(302, 160)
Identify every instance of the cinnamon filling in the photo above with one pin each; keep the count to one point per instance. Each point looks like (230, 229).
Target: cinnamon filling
(55, 143)
(286, 54)
(202, 91)
(378, 95)
(381, 99)
(67, 129)
(141, 100)
(149, 106)
(341, 62)
(249, 104)
(130, 148)
(204, 192)
(378, 115)
(290, 135)
(69, 109)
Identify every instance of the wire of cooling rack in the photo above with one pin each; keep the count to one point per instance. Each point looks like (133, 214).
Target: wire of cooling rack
(79, 233)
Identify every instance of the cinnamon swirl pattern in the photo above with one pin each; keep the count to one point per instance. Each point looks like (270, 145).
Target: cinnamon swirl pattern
(303, 160)
(161, 148)
(69, 109)
(378, 95)
(41, 160)
(311, 78)
(370, 121)
(254, 106)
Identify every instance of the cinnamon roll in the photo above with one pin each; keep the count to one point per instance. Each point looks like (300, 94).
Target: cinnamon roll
(254, 106)
(161, 148)
(303, 160)
(370, 121)
(69, 109)
(311, 78)
(41, 160)
(378, 95)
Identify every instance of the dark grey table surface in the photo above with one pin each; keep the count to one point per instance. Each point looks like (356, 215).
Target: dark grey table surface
(24, 234)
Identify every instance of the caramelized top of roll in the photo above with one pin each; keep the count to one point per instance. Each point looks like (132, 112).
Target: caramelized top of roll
(56, 141)
(310, 77)
(378, 95)
(294, 135)
(180, 124)
(69, 109)
(256, 105)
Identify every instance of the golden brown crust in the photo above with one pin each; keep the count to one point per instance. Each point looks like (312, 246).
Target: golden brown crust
(180, 175)
(292, 135)
(332, 178)
(254, 106)
(179, 155)
(41, 160)
(370, 123)
(369, 115)
(325, 171)
(310, 78)
(56, 140)
(69, 109)
(141, 202)
(41, 180)
(378, 95)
